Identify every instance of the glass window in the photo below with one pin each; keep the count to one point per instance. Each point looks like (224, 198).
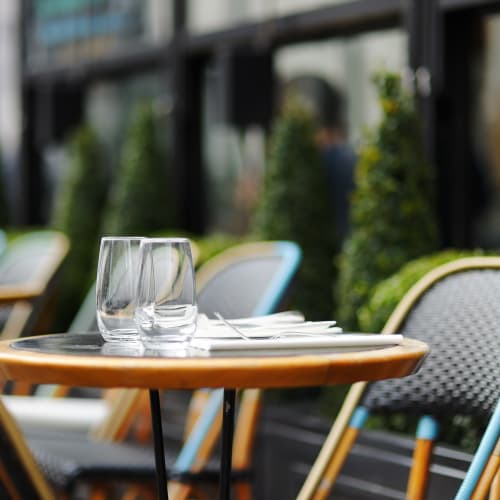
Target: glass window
(334, 77)
(109, 107)
(214, 15)
(485, 162)
(62, 31)
(347, 65)
(234, 157)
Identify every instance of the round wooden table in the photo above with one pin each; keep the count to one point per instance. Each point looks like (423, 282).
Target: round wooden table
(85, 360)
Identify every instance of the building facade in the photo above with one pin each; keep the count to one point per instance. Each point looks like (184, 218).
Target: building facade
(215, 70)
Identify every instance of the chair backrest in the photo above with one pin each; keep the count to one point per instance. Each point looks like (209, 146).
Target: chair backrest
(455, 311)
(85, 319)
(20, 476)
(248, 279)
(29, 267)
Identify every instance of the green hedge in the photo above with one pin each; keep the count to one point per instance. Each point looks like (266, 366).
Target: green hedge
(140, 200)
(295, 206)
(392, 215)
(4, 209)
(77, 213)
(388, 293)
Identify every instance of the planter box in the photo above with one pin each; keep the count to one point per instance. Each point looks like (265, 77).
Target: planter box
(289, 440)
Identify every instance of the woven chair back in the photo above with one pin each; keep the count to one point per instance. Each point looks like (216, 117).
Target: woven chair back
(457, 312)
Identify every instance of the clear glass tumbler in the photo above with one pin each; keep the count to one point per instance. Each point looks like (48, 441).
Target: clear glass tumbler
(116, 288)
(166, 295)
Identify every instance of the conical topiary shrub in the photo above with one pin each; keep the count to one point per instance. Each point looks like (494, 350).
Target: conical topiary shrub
(295, 206)
(4, 209)
(392, 215)
(78, 213)
(140, 200)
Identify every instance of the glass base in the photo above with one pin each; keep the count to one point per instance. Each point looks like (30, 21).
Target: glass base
(120, 336)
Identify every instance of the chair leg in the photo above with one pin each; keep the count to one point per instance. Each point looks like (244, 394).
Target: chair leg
(243, 490)
(489, 477)
(489, 443)
(331, 443)
(495, 487)
(336, 461)
(419, 473)
(139, 493)
(179, 491)
(339, 455)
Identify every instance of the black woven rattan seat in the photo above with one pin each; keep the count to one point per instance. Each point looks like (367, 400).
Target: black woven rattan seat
(459, 317)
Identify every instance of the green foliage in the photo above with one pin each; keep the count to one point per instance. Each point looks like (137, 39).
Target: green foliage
(77, 213)
(208, 246)
(4, 209)
(389, 292)
(392, 215)
(140, 199)
(215, 243)
(295, 206)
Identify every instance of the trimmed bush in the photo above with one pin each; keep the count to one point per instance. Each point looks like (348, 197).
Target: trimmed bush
(388, 293)
(4, 209)
(295, 206)
(77, 213)
(392, 213)
(140, 200)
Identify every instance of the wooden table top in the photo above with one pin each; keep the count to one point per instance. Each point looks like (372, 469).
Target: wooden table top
(83, 359)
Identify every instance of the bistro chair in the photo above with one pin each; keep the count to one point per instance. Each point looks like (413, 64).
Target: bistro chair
(29, 269)
(485, 465)
(47, 408)
(20, 476)
(250, 279)
(454, 310)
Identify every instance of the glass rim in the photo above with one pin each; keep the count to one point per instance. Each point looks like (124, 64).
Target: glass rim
(166, 240)
(122, 238)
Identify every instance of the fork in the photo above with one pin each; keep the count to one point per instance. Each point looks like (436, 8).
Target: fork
(237, 330)
(271, 337)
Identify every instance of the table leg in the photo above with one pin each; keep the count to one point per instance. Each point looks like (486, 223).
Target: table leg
(227, 443)
(161, 472)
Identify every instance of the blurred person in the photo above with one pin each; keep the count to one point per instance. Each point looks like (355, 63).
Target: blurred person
(339, 158)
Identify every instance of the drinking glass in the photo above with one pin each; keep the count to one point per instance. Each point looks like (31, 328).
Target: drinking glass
(116, 288)
(166, 296)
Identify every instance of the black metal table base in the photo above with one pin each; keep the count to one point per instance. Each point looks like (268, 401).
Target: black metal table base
(161, 470)
(227, 444)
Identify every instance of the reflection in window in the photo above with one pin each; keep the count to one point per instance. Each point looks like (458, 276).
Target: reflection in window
(234, 161)
(234, 157)
(109, 106)
(348, 64)
(214, 15)
(485, 163)
(60, 31)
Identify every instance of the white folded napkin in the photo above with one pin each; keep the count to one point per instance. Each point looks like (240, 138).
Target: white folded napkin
(290, 342)
(262, 327)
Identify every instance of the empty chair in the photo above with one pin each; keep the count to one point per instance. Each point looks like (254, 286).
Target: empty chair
(485, 464)
(454, 310)
(29, 268)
